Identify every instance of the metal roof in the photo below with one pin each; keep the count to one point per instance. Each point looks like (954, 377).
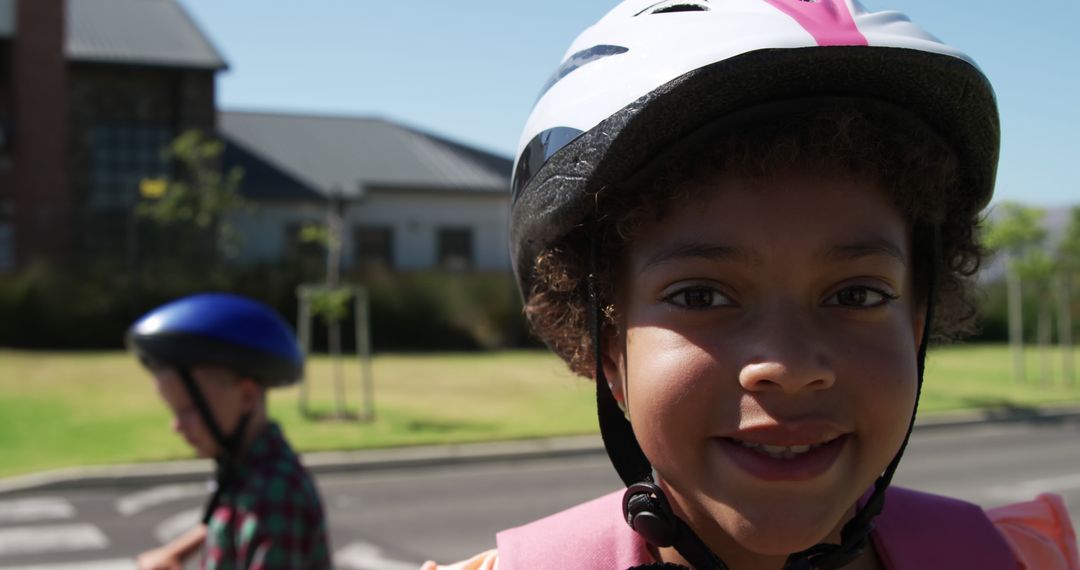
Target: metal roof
(138, 32)
(347, 155)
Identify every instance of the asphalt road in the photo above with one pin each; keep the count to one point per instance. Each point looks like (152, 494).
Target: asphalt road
(395, 519)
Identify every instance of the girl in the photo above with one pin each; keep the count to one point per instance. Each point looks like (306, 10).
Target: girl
(745, 219)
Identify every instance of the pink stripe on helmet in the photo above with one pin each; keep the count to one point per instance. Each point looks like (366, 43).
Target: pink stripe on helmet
(829, 21)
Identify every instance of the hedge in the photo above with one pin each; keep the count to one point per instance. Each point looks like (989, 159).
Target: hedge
(90, 307)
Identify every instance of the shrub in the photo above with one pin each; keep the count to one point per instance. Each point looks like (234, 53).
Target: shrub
(91, 307)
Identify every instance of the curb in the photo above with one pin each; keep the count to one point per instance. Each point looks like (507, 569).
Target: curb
(326, 462)
(318, 463)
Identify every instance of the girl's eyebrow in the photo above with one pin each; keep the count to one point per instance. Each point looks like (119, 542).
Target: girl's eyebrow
(718, 252)
(707, 251)
(869, 248)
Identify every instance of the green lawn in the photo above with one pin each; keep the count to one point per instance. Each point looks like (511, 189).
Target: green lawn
(69, 409)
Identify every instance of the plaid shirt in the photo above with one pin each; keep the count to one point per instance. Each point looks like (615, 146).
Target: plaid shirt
(270, 516)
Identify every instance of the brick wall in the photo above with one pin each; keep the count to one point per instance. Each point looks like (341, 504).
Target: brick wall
(39, 86)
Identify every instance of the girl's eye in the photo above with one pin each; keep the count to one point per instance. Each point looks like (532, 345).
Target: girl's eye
(698, 298)
(860, 298)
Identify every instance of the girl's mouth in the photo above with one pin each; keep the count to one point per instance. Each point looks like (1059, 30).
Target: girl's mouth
(783, 462)
(781, 451)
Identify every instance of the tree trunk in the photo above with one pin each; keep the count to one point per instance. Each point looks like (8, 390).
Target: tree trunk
(1016, 322)
(1065, 339)
(1045, 326)
(334, 225)
(363, 352)
(334, 338)
(303, 324)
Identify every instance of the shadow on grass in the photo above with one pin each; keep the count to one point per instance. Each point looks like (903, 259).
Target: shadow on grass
(1002, 410)
(347, 416)
(438, 426)
(445, 426)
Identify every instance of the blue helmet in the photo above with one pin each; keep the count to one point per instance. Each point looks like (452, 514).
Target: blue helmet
(234, 332)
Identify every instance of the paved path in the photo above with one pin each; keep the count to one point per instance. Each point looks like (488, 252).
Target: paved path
(392, 519)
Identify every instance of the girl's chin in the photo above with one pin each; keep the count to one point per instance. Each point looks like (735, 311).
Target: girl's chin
(779, 542)
(777, 532)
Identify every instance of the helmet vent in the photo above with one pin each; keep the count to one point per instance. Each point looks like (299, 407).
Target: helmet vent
(670, 6)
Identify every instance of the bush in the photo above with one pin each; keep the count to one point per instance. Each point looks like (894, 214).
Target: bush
(91, 307)
(45, 308)
(994, 312)
(445, 311)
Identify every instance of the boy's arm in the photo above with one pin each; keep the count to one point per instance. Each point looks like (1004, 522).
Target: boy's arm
(172, 555)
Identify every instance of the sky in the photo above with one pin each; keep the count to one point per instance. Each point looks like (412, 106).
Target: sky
(471, 70)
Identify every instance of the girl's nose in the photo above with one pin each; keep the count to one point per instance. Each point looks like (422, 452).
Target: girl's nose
(788, 355)
(780, 374)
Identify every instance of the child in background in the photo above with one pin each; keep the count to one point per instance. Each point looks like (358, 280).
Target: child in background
(212, 357)
(745, 220)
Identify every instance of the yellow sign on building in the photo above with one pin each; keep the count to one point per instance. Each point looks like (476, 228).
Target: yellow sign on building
(153, 188)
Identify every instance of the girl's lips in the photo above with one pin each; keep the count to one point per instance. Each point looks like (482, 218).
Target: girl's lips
(801, 467)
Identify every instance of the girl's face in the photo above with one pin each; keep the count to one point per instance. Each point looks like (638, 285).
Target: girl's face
(769, 357)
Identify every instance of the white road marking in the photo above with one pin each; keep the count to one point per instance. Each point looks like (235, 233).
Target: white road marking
(364, 556)
(137, 502)
(37, 509)
(177, 524)
(1027, 490)
(59, 538)
(115, 564)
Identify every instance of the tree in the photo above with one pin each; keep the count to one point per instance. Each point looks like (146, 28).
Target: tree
(332, 302)
(1016, 232)
(197, 201)
(1038, 270)
(1068, 262)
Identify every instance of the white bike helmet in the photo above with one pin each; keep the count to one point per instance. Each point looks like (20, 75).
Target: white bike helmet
(651, 74)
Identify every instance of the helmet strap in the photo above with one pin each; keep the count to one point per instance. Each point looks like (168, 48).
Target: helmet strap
(855, 535)
(618, 435)
(645, 506)
(203, 408)
(229, 445)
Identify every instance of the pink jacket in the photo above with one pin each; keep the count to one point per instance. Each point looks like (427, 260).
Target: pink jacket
(915, 531)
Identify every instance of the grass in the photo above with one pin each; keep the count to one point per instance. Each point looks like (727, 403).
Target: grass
(980, 376)
(70, 409)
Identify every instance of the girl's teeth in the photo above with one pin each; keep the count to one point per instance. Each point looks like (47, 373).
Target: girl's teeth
(779, 451)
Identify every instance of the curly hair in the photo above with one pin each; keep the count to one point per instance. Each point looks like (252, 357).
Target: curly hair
(884, 146)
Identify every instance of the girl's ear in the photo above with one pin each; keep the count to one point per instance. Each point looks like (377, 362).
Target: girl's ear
(613, 361)
(918, 322)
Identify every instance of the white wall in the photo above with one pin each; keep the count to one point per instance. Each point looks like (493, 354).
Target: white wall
(414, 216)
(262, 228)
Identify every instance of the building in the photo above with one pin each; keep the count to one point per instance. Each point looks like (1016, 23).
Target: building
(91, 91)
(409, 200)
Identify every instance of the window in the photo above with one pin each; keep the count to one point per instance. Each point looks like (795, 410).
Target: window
(373, 247)
(7, 236)
(455, 248)
(7, 247)
(5, 134)
(121, 155)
